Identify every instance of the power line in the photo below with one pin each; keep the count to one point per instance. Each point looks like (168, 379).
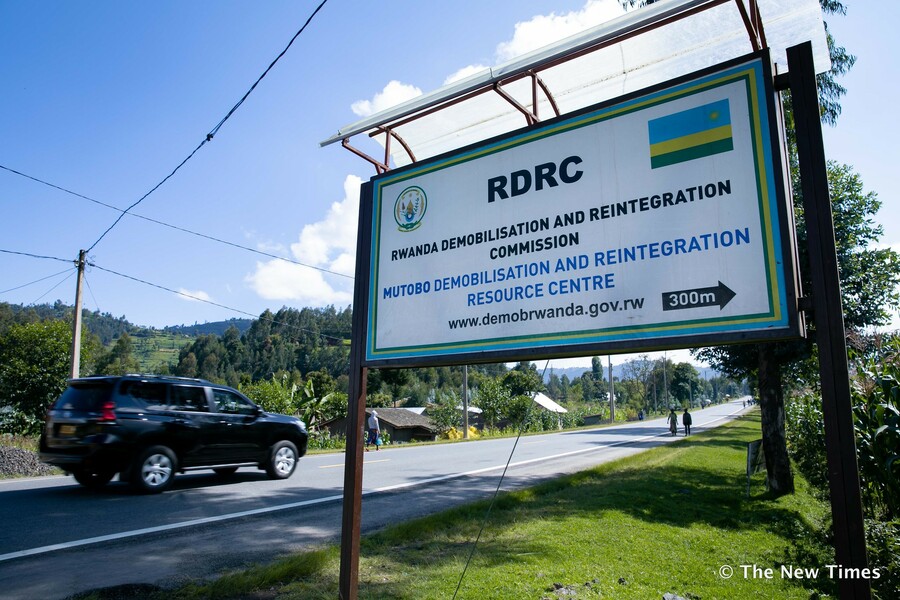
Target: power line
(19, 287)
(61, 281)
(199, 299)
(91, 292)
(175, 227)
(215, 130)
(487, 514)
(67, 260)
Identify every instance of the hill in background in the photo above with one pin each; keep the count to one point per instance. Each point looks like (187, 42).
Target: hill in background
(215, 328)
(152, 347)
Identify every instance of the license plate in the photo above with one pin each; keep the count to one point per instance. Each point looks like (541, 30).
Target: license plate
(66, 429)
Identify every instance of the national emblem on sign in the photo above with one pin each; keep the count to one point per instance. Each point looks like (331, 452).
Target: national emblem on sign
(410, 208)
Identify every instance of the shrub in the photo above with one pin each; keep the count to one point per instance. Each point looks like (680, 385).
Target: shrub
(805, 431)
(876, 409)
(322, 440)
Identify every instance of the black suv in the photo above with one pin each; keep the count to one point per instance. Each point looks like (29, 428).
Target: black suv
(147, 428)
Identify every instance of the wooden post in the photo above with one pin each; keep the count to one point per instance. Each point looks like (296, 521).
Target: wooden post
(76, 322)
(356, 408)
(840, 445)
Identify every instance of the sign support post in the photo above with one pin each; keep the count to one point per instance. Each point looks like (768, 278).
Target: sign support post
(351, 517)
(843, 473)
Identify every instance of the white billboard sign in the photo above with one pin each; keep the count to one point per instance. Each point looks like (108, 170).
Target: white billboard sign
(637, 224)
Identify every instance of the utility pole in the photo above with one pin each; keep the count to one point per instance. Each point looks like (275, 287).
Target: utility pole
(665, 382)
(612, 393)
(465, 392)
(76, 325)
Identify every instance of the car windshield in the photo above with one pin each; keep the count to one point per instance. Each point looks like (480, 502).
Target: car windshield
(85, 396)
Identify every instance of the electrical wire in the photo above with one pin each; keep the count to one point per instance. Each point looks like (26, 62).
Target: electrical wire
(487, 514)
(204, 300)
(215, 130)
(61, 281)
(91, 292)
(67, 260)
(175, 227)
(18, 287)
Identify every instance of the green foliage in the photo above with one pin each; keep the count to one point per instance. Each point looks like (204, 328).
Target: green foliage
(34, 365)
(876, 411)
(120, 360)
(518, 409)
(273, 395)
(315, 407)
(523, 380)
(445, 412)
(685, 383)
(493, 398)
(379, 400)
(659, 522)
(805, 432)
(869, 281)
(321, 439)
(883, 548)
(875, 396)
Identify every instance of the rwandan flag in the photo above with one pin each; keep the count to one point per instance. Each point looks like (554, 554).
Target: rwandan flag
(693, 133)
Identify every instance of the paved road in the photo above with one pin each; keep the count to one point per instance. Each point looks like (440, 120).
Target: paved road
(59, 538)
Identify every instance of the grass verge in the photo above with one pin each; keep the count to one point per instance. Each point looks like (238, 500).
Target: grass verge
(667, 520)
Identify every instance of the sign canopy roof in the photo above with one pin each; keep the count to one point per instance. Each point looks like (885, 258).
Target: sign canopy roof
(642, 48)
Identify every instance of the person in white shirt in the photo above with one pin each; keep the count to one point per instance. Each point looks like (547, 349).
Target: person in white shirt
(374, 428)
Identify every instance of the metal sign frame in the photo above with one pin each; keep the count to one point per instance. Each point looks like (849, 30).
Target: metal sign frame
(783, 320)
(843, 473)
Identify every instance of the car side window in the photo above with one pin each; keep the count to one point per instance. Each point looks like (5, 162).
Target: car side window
(151, 394)
(188, 397)
(230, 403)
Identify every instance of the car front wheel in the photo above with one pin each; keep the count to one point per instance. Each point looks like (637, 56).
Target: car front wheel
(93, 479)
(154, 470)
(282, 460)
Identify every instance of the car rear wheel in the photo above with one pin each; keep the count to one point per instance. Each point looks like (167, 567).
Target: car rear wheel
(282, 460)
(93, 479)
(154, 470)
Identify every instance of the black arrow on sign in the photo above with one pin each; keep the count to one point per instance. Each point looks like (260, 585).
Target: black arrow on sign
(708, 296)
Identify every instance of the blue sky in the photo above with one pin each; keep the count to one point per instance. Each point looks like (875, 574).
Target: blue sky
(106, 98)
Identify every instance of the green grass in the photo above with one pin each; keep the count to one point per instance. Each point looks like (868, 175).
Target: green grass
(153, 348)
(662, 521)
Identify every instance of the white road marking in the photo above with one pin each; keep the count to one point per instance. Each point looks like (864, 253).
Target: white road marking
(270, 509)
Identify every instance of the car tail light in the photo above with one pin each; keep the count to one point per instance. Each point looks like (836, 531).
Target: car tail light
(108, 414)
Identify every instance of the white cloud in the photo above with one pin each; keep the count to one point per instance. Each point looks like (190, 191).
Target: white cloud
(271, 247)
(194, 296)
(546, 29)
(394, 93)
(464, 72)
(529, 35)
(328, 244)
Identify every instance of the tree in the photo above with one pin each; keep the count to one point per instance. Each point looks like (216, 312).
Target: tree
(493, 398)
(120, 359)
(685, 383)
(869, 280)
(187, 366)
(876, 274)
(636, 374)
(445, 412)
(34, 365)
(523, 380)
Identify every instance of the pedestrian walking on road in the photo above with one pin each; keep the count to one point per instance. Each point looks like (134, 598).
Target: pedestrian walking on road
(374, 428)
(673, 421)
(686, 421)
